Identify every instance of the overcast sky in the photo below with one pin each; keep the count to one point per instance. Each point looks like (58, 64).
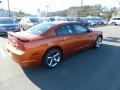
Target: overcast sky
(31, 6)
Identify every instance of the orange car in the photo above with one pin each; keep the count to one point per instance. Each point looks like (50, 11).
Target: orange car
(49, 42)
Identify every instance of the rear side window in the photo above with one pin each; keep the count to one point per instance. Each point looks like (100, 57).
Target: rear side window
(64, 30)
(118, 18)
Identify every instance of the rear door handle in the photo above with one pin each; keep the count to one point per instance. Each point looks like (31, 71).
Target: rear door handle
(90, 35)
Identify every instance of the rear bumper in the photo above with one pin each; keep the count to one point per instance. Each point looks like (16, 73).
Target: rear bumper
(22, 58)
(23, 63)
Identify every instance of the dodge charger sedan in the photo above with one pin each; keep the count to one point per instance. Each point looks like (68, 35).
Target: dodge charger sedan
(48, 43)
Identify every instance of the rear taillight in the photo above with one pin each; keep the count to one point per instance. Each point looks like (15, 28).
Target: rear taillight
(19, 45)
(16, 43)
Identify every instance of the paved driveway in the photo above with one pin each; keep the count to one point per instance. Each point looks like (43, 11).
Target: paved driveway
(93, 69)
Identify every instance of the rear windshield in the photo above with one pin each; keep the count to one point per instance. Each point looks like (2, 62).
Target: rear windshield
(40, 28)
(6, 21)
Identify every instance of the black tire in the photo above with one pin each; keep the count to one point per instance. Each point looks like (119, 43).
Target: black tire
(98, 42)
(52, 58)
(113, 23)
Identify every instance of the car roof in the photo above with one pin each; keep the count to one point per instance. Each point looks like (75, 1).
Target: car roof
(63, 22)
(30, 17)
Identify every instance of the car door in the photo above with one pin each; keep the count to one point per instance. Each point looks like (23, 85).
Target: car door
(67, 39)
(118, 21)
(82, 35)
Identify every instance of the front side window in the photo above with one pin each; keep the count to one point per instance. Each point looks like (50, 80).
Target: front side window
(80, 29)
(64, 30)
(114, 19)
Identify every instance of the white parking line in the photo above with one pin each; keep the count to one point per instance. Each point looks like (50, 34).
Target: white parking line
(2, 52)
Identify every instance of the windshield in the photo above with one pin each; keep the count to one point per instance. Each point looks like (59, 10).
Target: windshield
(6, 21)
(40, 28)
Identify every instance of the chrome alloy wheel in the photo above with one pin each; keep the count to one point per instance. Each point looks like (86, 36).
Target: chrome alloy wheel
(98, 42)
(53, 58)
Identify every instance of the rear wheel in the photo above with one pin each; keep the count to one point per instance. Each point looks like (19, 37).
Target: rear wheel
(52, 57)
(113, 23)
(98, 42)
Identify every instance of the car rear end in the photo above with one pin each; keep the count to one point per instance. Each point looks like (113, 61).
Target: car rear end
(28, 47)
(19, 51)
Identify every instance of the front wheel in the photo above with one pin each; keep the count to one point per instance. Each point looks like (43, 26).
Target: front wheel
(52, 58)
(113, 23)
(98, 42)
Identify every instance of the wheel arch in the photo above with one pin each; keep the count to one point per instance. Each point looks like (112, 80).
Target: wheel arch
(100, 36)
(114, 23)
(58, 47)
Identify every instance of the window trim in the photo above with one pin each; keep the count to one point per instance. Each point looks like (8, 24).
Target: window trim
(64, 34)
(81, 26)
(118, 19)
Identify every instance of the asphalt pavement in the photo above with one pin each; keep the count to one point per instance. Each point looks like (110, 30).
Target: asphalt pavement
(93, 69)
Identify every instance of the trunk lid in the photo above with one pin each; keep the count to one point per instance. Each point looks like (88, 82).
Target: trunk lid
(24, 37)
(18, 39)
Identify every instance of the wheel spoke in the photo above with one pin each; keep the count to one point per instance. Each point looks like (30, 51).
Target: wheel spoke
(51, 61)
(99, 42)
(49, 57)
(56, 55)
(53, 58)
(57, 60)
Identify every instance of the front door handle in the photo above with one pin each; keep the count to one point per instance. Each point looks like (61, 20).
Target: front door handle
(63, 39)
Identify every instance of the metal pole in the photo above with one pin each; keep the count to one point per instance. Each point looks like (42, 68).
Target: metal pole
(119, 7)
(47, 6)
(1, 8)
(9, 8)
(81, 4)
